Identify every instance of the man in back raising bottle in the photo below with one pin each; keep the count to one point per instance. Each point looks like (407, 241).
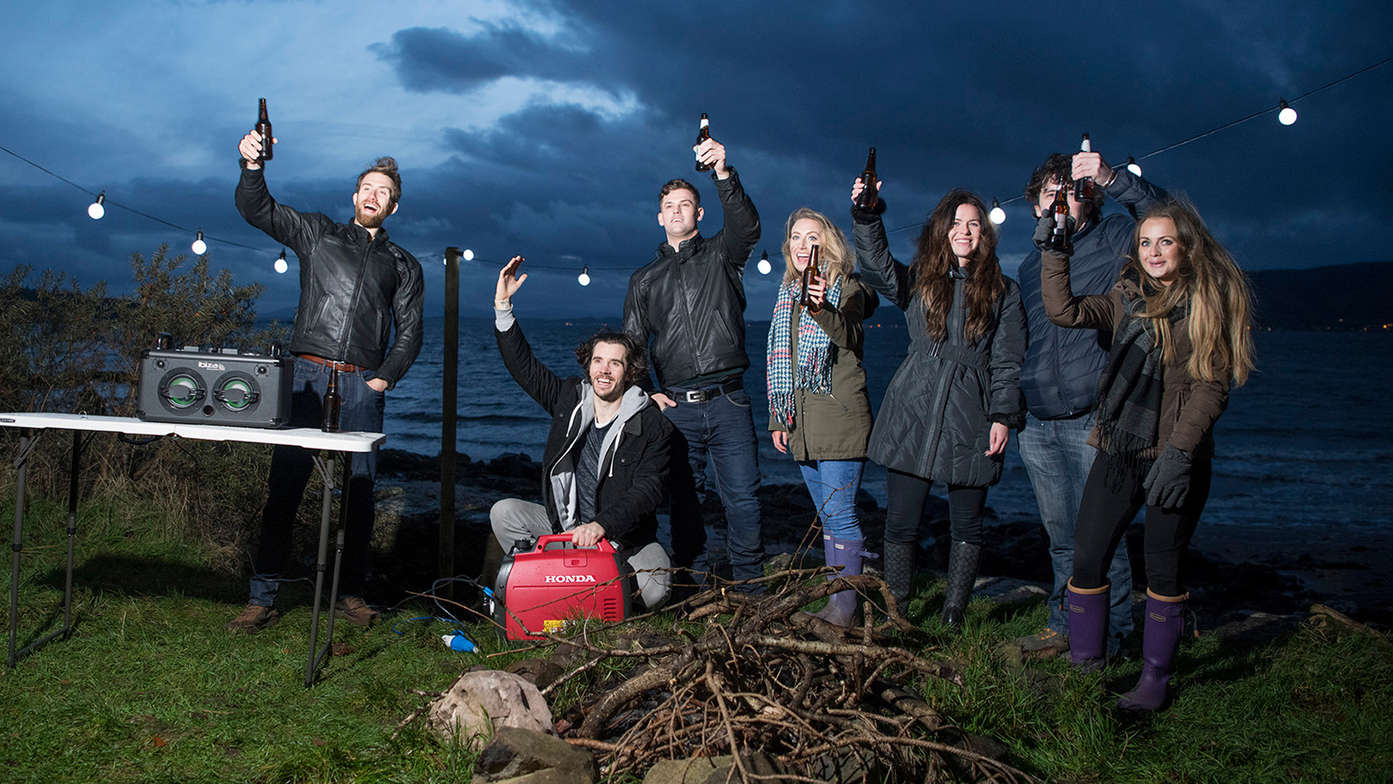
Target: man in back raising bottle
(1060, 373)
(360, 311)
(688, 305)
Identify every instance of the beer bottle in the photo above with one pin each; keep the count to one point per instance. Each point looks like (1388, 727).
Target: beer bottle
(809, 272)
(869, 193)
(1083, 187)
(703, 133)
(1059, 208)
(332, 402)
(263, 127)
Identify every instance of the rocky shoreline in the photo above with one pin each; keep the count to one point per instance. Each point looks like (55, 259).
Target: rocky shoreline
(1234, 571)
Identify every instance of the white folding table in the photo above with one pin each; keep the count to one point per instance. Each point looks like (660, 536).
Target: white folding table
(308, 438)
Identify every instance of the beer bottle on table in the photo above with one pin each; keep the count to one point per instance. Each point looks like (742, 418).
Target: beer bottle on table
(332, 402)
(703, 133)
(809, 272)
(869, 193)
(1059, 208)
(263, 127)
(1083, 187)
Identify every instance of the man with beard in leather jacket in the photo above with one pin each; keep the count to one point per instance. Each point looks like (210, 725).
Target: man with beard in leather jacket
(688, 306)
(356, 289)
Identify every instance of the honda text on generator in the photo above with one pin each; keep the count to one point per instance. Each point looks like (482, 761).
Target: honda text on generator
(540, 590)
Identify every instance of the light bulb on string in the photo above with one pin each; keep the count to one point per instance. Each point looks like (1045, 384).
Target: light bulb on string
(584, 277)
(468, 255)
(281, 264)
(95, 210)
(764, 266)
(199, 247)
(997, 214)
(1286, 115)
(1133, 166)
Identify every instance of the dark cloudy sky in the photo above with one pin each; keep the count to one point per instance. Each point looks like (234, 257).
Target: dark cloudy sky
(546, 128)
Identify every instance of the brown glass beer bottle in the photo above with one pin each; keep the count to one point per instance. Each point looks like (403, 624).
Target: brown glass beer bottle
(703, 133)
(263, 127)
(332, 402)
(809, 272)
(870, 194)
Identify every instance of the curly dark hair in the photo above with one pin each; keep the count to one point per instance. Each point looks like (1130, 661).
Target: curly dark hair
(1056, 167)
(635, 358)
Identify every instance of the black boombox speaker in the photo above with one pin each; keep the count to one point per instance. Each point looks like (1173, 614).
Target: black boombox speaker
(216, 387)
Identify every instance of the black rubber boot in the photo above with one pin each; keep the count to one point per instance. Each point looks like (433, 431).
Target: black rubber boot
(899, 571)
(962, 573)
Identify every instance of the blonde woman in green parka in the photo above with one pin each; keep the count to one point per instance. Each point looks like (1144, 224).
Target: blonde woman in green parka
(819, 410)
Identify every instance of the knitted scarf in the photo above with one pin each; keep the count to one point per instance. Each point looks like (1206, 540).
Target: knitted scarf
(814, 371)
(1130, 387)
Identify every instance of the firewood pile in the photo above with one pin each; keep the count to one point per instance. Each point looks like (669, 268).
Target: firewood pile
(743, 674)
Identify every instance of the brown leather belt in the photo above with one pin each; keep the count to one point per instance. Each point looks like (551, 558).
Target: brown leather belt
(344, 367)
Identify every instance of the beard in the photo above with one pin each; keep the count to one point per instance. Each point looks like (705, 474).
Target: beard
(371, 220)
(614, 394)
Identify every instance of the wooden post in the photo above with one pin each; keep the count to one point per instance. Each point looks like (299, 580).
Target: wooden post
(448, 401)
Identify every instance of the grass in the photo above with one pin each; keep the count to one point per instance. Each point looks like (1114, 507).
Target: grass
(151, 688)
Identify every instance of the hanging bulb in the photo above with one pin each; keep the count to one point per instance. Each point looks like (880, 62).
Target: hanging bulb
(199, 246)
(1133, 166)
(281, 264)
(764, 266)
(1287, 115)
(997, 214)
(584, 277)
(95, 210)
(468, 255)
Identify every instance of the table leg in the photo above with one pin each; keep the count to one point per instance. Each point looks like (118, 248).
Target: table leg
(326, 474)
(73, 471)
(21, 462)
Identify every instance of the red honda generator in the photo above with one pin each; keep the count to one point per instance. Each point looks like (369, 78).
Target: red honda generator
(540, 589)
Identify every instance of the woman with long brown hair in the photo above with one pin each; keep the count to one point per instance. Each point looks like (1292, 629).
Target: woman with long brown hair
(819, 410)
(1180, 317)
(951, 405)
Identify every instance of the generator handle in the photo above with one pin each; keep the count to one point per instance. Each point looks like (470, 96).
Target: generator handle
(545, 539)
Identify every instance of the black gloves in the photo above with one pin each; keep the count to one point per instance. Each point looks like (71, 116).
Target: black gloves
(1168, 481)
(1044, 235)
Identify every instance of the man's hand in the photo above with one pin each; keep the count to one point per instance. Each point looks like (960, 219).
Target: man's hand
(250, 148)
(1091, 164)
(997, 438)
(713, 153)
(858, 186)
(377, 384)
(587, 535)
(780, 438)
(663, 401)
(508, 282)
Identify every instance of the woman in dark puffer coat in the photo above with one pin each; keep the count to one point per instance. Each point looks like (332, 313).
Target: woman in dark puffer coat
(952, 403)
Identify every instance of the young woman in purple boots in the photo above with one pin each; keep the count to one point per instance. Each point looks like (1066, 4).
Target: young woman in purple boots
(1180, 316)
(819, 411)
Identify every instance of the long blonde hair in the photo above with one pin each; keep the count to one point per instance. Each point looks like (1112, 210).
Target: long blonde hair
(833, 259)
(1220, 318)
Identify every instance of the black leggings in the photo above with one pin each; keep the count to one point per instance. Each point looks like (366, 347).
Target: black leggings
(905, 508)
(1111, 498)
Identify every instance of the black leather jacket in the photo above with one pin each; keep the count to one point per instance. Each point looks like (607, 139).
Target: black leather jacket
(354, 287)
(691, 301)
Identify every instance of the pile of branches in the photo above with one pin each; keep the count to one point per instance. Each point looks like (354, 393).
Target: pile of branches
(751, 674)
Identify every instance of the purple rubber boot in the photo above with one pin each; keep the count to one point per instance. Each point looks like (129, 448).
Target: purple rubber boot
(844, 555)
(1164, 622)
(1088, 626)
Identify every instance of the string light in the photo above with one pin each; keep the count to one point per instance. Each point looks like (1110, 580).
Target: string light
(468, 255)
(764, 266)
(199, 247)
(1287, 115)
(1133, 166)
(997, 214)
(584, 277)
(95, 210)
(281, 264)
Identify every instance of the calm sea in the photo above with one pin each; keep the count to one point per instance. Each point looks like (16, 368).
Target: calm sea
(1307, 442)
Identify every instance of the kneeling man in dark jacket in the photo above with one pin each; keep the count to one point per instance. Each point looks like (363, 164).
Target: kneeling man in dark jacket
(605, 467)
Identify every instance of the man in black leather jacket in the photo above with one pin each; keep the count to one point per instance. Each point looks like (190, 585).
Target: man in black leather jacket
(356, 288)
(690, 303)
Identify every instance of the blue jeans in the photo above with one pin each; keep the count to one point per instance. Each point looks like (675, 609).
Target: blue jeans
(833, 485)
(723, 430)
(290, 471)
(1057, 457)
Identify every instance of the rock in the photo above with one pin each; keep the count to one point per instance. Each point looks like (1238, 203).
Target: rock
(481, 703)
(708, 770)
(518, 756)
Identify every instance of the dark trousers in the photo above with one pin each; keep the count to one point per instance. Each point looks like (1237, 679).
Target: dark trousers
(290, 471)
(905, 508)
(1111, 498)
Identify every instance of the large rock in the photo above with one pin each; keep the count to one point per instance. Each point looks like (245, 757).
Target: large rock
(482, 702)
(519, 756)
(708, 770)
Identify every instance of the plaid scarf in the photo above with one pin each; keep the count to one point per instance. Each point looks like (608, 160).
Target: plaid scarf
(1131, 386)
(814, 370)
